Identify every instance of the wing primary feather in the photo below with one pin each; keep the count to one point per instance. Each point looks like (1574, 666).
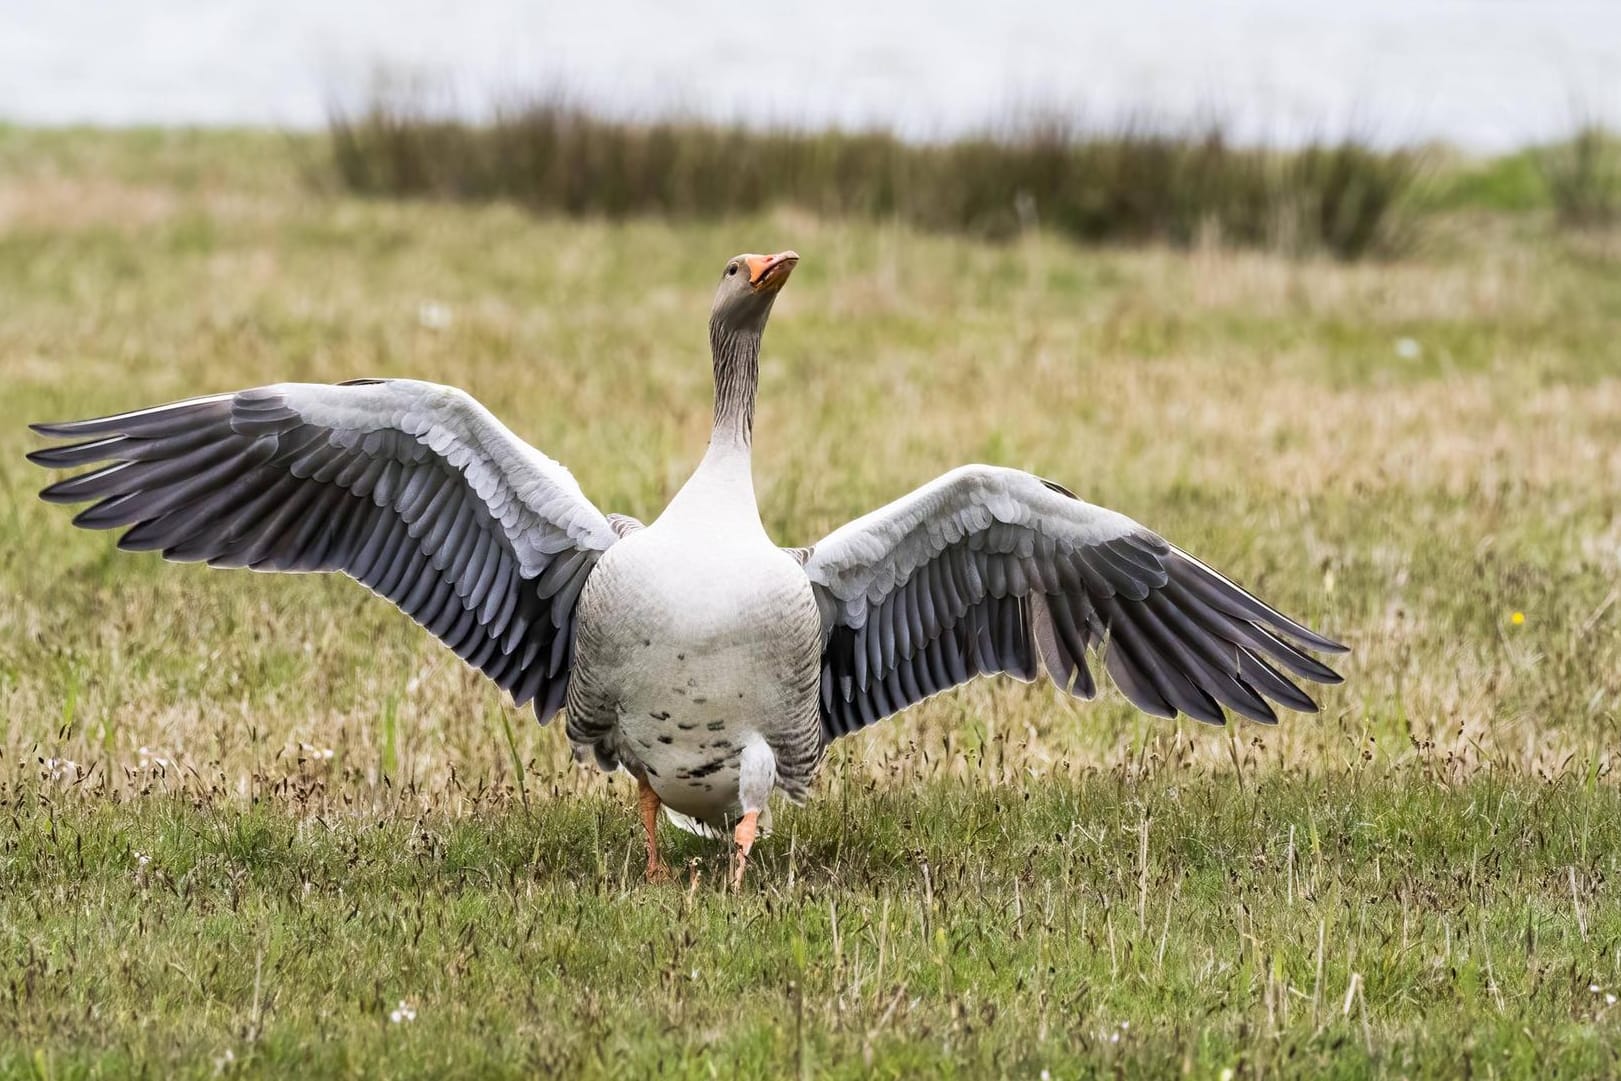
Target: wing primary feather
(157, 419)
(904, 612)
(1049, 645)
(1133, 683)
(875, 650)
(491, 601)
(563, 602)
(555, 693)
(928, 617)
(1210, 681)
(401, 556)
(421, 485)
(1267, 678)
(558, 573)
(1217, 661)
(77, 454)
(1172, 685)
(93, 485)
(1227, 596)
(440, 540)
(1242, 632)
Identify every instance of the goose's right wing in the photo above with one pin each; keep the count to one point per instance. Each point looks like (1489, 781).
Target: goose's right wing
(990, 570)
(412, 488)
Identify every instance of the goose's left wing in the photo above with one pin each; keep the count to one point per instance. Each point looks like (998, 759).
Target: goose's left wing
(412, 488)
(986, 569)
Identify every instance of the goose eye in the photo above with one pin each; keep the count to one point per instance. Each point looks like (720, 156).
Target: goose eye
(731, 270)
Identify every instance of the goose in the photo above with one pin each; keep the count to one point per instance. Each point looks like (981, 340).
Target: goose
(695, 653)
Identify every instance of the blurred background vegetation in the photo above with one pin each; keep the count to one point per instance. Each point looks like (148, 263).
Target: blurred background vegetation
(1135, 182)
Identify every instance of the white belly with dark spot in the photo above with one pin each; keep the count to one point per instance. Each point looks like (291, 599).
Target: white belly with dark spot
(688, 715)
(702, 652)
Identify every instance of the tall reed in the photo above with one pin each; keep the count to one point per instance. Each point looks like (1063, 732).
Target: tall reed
(1583, 177)
(1137, 182)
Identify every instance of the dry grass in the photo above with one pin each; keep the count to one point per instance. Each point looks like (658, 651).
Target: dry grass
(1405, 455)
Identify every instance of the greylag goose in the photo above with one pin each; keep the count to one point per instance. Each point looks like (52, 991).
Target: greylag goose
(695, 653)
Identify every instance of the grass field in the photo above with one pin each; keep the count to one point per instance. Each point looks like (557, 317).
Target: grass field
(260, 826)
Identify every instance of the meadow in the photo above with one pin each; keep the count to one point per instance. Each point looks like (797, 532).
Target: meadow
(264, 826)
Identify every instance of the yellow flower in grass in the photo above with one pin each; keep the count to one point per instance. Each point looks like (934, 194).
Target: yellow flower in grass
(1517, 618)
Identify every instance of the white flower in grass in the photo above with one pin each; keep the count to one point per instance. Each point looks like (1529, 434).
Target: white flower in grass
(58, 769)
(1409, 348)
(402, 1013)
(432, 315)
(142, 859)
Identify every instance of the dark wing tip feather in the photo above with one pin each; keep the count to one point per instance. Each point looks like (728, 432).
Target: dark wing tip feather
(1321, 643)
(55, 494)
(1190, 571)
(1328, 677)
(57, 429)
(76, 454)
(1304, 636)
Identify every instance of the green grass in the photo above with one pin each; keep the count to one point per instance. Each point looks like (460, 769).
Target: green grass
(1509, 183)
(1578, 179)
(1115, 923)
(337, 817)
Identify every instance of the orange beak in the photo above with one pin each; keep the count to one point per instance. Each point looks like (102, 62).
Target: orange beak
(769, 272)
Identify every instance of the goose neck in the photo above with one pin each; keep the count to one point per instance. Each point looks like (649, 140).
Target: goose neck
(737, 380)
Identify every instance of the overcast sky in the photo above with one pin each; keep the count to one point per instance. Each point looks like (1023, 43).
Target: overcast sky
(1487, 74)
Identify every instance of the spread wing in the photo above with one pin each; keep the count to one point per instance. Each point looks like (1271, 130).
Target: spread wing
(412, 488)
(986, 569)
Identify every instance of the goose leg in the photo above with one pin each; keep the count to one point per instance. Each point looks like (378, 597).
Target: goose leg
(748, 827)
(649, 802)
(757, 773)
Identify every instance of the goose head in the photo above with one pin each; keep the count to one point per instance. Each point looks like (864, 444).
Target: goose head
(748, 287)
